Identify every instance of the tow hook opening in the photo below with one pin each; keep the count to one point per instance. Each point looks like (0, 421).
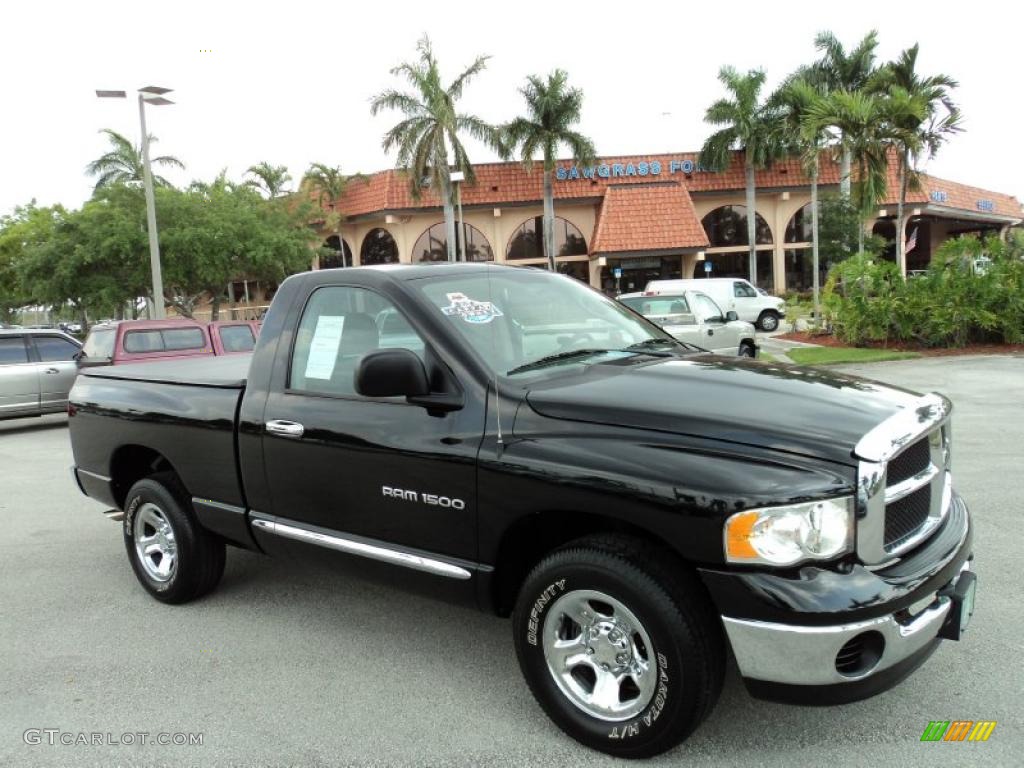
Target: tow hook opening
(860, 654)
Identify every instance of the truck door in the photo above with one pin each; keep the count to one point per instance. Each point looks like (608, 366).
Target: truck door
(377, 468)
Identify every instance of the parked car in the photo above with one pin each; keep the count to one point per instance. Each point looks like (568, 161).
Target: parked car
(37, 369)
(694, 317)
(637, 507)
(132, 341)
(732, 294)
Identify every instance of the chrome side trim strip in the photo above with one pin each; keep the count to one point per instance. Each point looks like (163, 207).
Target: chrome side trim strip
(902, 428)
(911, 484)
(362, 549)
(104, 478)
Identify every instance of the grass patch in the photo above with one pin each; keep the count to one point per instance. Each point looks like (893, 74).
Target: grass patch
(767, 358)
(833, 355)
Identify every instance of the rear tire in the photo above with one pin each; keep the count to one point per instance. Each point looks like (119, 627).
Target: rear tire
(641, 665)
(768, 321)
(747, 350)
(174, 558)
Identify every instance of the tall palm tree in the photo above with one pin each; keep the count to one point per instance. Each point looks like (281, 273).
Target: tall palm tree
(428, 138)
(552, 110)
(923, 116)
(748, 125)
(794, 99)
(329, 184)
(842, 70)
(271, 179)
(123, 163)
(862, 119)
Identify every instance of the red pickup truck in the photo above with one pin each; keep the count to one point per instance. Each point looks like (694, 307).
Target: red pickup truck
(136, 341)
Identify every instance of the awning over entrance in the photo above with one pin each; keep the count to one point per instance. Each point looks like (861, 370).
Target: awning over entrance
(646, 219)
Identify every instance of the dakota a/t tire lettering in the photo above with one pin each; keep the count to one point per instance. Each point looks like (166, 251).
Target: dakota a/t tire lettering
(675, 613)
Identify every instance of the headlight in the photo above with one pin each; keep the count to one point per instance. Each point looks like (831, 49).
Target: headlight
(816, 530)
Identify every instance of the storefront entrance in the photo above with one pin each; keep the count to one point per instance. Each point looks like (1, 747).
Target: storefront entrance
(637, 272)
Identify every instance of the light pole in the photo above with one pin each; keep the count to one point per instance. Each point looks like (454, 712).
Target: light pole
(154, 95)
(458, 177)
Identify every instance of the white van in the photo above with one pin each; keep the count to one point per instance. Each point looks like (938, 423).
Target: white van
(732, 294)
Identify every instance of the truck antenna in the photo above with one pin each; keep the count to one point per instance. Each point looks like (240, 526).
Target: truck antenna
(497, 392)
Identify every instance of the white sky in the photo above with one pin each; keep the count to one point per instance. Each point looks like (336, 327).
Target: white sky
(289, 82)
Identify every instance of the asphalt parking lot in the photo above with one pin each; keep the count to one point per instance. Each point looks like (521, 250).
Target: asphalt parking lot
(293, 665)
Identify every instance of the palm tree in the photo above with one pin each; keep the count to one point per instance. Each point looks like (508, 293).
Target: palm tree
(552, 110)
(750, 126)
(428, 137)
(270, 179)
(862, 119)
(329, 184)
(123, 163)
(795, 98)
(923, 117)
(839, 70)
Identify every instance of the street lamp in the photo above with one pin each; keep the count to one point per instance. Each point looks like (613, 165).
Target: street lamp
(458, 177)
(154, 95)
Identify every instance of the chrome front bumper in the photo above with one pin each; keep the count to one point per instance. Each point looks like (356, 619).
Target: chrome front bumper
(806, 655)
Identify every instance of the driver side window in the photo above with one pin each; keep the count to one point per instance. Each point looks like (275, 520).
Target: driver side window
(339, 326)
(706, 307)
(743, 291)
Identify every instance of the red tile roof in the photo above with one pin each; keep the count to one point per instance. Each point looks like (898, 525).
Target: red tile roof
(509, 183)
(656, 216)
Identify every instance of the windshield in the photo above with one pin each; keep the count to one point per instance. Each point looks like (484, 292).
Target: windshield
(514, 318)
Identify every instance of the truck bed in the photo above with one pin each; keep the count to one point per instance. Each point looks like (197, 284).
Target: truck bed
(226, 372)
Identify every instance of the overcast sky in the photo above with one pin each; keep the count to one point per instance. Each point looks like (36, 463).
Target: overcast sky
(289, 82)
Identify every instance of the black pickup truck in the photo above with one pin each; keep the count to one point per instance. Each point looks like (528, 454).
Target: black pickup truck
(513, 439)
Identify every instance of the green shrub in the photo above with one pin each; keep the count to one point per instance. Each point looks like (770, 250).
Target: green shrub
(865, 299)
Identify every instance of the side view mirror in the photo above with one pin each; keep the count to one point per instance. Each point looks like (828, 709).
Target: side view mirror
(730, 316)
(391, 373)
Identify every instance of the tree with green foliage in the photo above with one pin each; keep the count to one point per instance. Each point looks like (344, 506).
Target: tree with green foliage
(923, 117)
(123, 163)
(552, 112)
(272, 180)
(429, 136)
(848, 71)
(215, 233)
(21, 232)
(329, 184)
(862, 119)
(749, 125)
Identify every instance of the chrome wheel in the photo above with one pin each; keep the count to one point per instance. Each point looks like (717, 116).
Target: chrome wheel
(154, 542)
(599, 655)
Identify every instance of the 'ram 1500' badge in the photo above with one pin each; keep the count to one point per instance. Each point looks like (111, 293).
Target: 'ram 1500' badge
(431, 499)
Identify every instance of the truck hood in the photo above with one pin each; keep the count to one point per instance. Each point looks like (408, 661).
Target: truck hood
(790, 408)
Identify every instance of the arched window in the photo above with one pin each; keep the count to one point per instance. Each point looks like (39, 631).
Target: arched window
(528, 243)
(333, 260)
(379, 247)
(799, 228)
(432, 245)
(727, 226)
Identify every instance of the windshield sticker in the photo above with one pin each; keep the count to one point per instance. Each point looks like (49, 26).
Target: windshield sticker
(323, 349)
(470, 310)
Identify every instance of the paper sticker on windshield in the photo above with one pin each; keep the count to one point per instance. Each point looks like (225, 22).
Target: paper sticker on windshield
(323, 348)
(470, 310)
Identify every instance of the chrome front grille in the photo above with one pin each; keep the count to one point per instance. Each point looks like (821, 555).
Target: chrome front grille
(904, 483)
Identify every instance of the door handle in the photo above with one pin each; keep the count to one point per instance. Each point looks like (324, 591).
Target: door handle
(51, 370)
(284, 428)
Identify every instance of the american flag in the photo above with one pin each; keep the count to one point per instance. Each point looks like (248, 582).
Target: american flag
(912, 241)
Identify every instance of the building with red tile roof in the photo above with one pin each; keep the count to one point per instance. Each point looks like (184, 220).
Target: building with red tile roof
(645, 217)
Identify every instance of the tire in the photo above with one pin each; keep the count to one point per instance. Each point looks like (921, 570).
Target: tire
(747, 350)
(669, 626)
(187, 561)
(768, 321)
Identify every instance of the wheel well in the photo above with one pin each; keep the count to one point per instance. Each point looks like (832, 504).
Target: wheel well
(131, 463)
(530, 538)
